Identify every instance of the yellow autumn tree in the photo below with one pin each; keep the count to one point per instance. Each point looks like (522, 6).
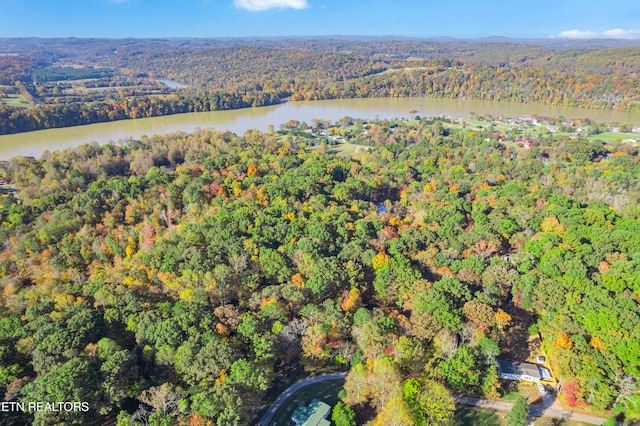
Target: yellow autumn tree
(503, 319)
(564, 341)
(297, 280)
(430, 187)
(132, 245)
(380, 260)
(596, 343)
(552, 224)
(394, 413)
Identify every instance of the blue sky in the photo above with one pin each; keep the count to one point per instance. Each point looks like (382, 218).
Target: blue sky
(233, 18)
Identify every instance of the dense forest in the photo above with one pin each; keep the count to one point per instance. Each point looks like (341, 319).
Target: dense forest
(173, 279)
(77, 81)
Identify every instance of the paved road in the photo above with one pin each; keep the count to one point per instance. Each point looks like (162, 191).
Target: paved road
(552, 410)
(271, 412)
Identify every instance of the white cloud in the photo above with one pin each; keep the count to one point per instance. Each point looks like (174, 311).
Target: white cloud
(620, 33)
(615, 33)
(259, 5)
(577, 34)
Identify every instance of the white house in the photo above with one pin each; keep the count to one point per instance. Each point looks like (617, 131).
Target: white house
(514, 370)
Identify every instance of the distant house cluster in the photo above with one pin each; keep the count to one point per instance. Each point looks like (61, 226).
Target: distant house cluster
(523, 371)
(314, 414)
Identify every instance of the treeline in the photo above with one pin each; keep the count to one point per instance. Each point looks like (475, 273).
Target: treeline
(173, 279)
(504, 84)
(15, 120)
(68, 73)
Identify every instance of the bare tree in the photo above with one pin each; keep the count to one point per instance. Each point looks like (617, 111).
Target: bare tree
(627, 385)
(468, 333)
(298, 326)
(141, 416)
(239, 262)
(162, 398)
(289, 338)
(447, 343)
(346, 350)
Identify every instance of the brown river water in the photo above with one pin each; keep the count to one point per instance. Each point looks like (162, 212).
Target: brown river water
(238, 121)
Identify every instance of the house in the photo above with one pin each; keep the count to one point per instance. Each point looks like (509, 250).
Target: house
(527, 143)
(523, 371)
(314, 414)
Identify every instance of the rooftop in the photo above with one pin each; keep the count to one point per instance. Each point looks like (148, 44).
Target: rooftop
(519, 368)
(314, 414)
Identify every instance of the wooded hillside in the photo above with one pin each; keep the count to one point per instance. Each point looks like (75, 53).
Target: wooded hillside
(174, 278)
(74, 82)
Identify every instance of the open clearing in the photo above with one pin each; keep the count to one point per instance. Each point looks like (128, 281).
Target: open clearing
(14, 100)
(614, 136)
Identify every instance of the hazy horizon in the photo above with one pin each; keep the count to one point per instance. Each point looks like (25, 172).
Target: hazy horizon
(318, 18)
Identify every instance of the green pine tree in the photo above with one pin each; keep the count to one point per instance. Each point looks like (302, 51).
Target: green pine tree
(519, 414)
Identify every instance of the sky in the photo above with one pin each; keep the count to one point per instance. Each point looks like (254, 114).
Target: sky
(242, 18)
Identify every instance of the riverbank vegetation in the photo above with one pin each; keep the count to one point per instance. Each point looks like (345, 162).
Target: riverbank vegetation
(170, 280)
(68, 83)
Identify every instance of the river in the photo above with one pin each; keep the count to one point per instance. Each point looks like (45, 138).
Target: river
(172, 84)
(238, 121)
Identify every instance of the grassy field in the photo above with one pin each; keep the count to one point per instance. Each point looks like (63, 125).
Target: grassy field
(515, 389)
(16, 101)
(343, 150)
(613, 136)
(326, 392)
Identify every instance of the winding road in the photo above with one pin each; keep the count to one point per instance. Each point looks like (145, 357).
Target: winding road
(549, 409)
(271, 412)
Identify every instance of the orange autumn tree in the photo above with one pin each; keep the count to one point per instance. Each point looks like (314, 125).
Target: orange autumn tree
(353, 300)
